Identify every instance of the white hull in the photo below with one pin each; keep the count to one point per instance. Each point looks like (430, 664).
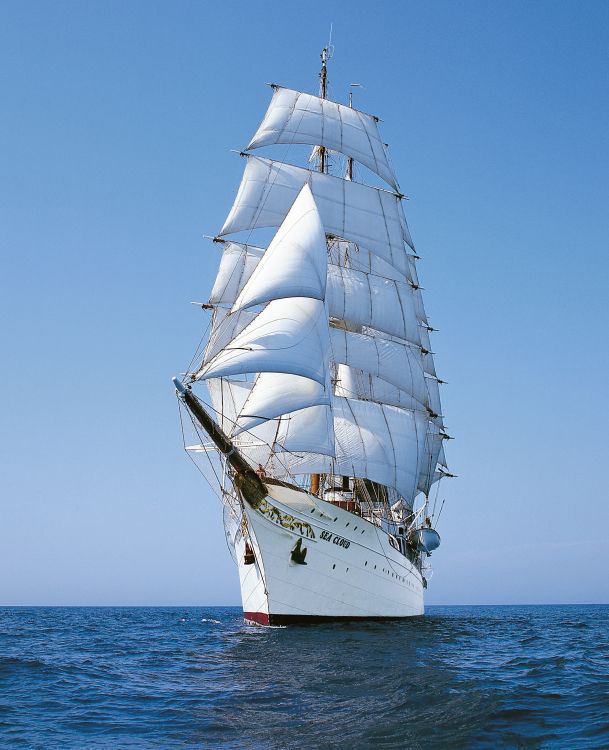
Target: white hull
(351, 570)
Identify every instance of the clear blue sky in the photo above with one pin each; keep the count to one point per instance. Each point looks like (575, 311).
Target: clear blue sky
(116, 121)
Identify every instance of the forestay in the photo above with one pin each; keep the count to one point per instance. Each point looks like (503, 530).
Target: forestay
(295, 117)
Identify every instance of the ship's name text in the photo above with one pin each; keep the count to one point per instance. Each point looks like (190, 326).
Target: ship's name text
(335, 539)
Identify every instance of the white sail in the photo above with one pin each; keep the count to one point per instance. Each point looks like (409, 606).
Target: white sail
(237, 265)
(308, 430)
(354, 383)
(289, 335)
(349, 255)
(339, 254)
(368, 216)
(442, 457)
(353, 296)
(387, 444)
(239, 261)
(294, 117)
(418, 305)
(367, 300)
(296, 262)
(433, 445)
(227, 398)
(274, 394)
(433, 390)
(383, 443)
(428, 362)
(224, 328)
(302, 437)
(393, 362)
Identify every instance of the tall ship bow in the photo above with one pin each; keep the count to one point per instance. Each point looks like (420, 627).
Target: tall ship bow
(315, 405)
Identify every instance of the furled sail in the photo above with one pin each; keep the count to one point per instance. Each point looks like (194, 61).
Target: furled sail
(294, 117)
(365, 215)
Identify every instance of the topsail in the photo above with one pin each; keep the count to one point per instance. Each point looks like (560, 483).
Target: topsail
(294, 117)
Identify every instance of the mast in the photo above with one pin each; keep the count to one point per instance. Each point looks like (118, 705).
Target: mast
(323, 167)
(349, 174)
(323, 93)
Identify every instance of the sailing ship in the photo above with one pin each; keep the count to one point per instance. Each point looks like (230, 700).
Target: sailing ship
(316, 400)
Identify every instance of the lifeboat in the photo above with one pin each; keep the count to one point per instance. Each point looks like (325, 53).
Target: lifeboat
(425, 539)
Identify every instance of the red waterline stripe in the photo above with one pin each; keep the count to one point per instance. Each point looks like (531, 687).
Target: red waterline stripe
(262, 618)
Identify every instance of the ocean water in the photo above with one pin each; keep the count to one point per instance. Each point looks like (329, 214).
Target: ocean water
(461, 677)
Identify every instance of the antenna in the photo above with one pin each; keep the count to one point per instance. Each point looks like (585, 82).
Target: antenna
(330, 47)
(351, 87)
(349, 172)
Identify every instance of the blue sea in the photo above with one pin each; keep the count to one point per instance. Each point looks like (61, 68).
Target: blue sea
(461, 677)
